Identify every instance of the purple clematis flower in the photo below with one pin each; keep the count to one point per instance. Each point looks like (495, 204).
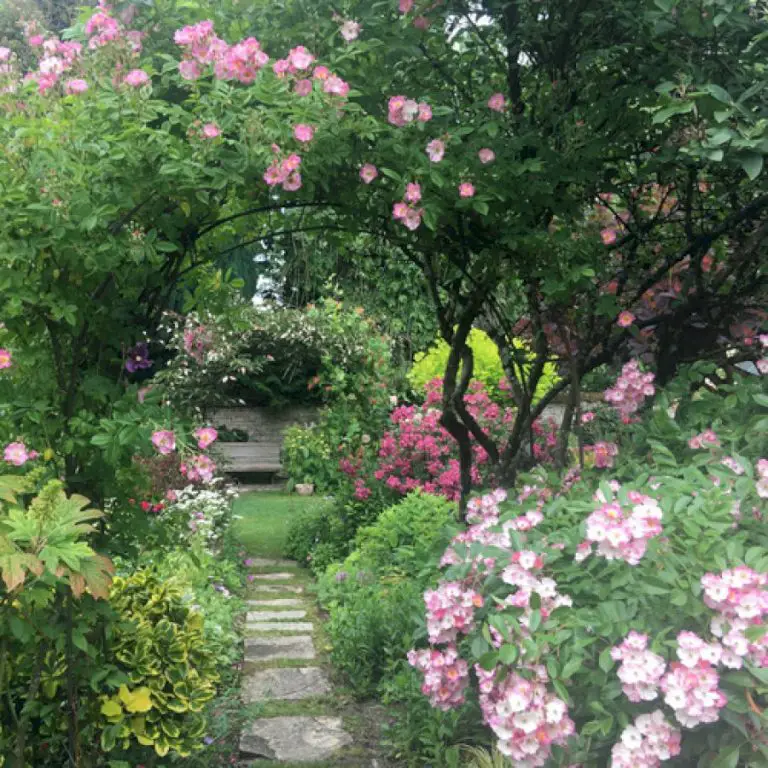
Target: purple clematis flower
(137, 358)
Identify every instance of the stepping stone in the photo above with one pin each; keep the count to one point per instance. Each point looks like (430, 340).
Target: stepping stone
(287, 683)
(273, 576)
(256, 616)
(280, 626)
(266, 562)
(280, 588)
(277, 602)
(283, 647)
(294, 739)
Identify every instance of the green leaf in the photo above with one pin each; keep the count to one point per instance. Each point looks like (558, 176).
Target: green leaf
(605, 661)
(752, 164)
(727, 758)
(508, 653)
(718, 93)
(680, 108)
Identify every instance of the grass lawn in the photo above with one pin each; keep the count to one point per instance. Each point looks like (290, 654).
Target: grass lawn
(265, 519)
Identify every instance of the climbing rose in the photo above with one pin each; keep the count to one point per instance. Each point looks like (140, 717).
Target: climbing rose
(321, 72)
(608, 236)
(199, 468)
(412, 218)
(5, 53)
(640, 670)
(303, 87)
(446, 676)
(164, 441)
(205, 436)
(497, 102)
(631, 389)
(5, 359)
(368, 173)
(16, 454)
(136, 78)
(405, 6)
(300, 57)
(413, 193)
(625, 319)
(303, 132)
(436, 150)
(706, 438)
(647, 743)
(466, 189)
(211, 130)
(76, 86)
(486, 155)
(190, 69)
(350, 30)
(336, 86)
(425, 113)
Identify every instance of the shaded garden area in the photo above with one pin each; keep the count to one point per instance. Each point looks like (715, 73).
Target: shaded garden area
(511, 254)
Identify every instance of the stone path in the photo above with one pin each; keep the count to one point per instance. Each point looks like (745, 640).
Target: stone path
(279, 656)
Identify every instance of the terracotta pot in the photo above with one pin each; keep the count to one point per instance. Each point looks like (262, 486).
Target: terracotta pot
(305, 489)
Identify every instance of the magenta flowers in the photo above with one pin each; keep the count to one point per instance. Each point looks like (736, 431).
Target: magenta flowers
(136, 78)
(16, 454)
(205, 437)
(164, 441)
(6, 361)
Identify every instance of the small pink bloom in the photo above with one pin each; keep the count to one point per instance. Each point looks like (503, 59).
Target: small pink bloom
(412, 219)
(350, 30)
(6, 360)
(486, 155)
(76, 86)
(497, 102)
(293, 182)
(291, 163)
(336, 85)
(16, 454)
(399, 210)
(205, 436)
(211, 131)
(436, 150)
(587, 417)
(136, 78)
(303, 87)
(300, 57)
(5, 53)
(36, 40)
(413, 193)
(421, 22)
(164, 441)
(406, 6)
(625, 319)
(425, 112)
(466, 189)
(303, 132)
(190, 69)
(321, 72)
(608, 236)
(368, 173)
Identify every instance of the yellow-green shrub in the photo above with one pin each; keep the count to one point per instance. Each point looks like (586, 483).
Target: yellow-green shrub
(487, 364)
(159, 643)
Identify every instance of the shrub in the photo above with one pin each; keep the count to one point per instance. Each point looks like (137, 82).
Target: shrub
(488, 369)
(620, 604)
(307, 458)
(159, 643)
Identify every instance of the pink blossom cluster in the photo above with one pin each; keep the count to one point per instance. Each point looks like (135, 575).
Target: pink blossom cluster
(520, 574)
(285, 172)
(57, 58)
(6, 359)
(630, 390)
(705, 439)
(640, 670)
(526, 718)
(693, 693)
(401, 110)
(446, 676)
(102, 28)
(450, 611)
(602, 454)
(205, 437)
(164, 441)
(740, 600)
(622, 533)
(762, 478)
(485, 509)
(409, 215)
(418, 452)
(18, 454)
(198, 469)
(545, 440)
(646, 744)
(197, 341)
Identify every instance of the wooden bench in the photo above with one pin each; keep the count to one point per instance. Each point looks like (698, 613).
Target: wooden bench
(250, 457)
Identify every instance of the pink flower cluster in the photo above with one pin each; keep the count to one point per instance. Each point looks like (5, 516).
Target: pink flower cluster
(197, 341)
(622, 533)
(740, 599)
(18, 454)
(446, 676)
(602, 454)
(640, 670)
(420, 453)
(520, 574)
(693, 693)
(450, 611)
(6, 360)
(646, 744)
(705, 439)
(526, 718)
(285, 172)
(401, 110)
(57, 58)
(102, 28)
(164, 441)
(409, 215)
(630, 390)
(198, 469)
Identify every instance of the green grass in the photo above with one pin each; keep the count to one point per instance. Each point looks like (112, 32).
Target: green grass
(265, 520)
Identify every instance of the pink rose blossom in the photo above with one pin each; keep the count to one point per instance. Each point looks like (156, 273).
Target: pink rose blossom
(486, 155)
(37, 40)
(425, 112)
(303, 87)
(368, 173)
(211, 131)
(421, 22)
(199, 469)
(466, 189)
(497, 102)
(303, 132)
(413, 192)
(205, 436)
(293, 182)
(164, 441)
(300, 58)
(6, 361)
(608, 235)
(136, 78)
(75, 86)
(436, 150)
(625, 319)
(5, 53)
(405, 6)
(412, 220)
(646, 744)
(336, 86)
(446, 675)
(16, 454)
(321, 72)
(190, 69)
(350, 30)
(587, 417)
